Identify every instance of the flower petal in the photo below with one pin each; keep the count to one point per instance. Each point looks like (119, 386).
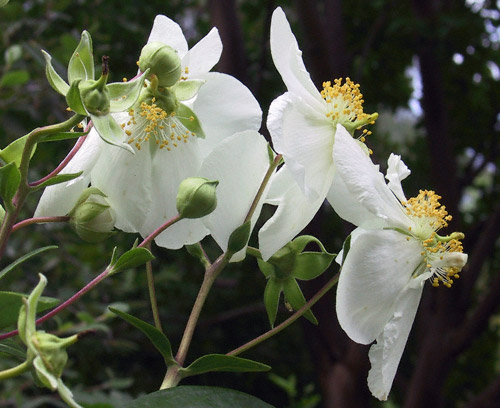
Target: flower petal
(365, 184)
(376, 270)
(294, 212)
(59, 199)
(396, 172)
(239, 163)
(386, 353)
(307, 145)
(169, 168)
(225, 106)
(287, 58)
(204, 55)
(168, 32)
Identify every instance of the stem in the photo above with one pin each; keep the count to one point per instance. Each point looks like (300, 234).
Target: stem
(159, 230)
(254, 252)
(38, 220)
(171, 378)
(152, 293)
(66, 303)
(262, 187)
(15, 371)
(330, 284)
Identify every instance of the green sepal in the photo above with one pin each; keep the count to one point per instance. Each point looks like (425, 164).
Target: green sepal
(92, 236)
(184, 115)
(272, 294)
(266, 268)
(270, 154)
(60, 178)
(159, 340)
(63, 136)
(123, 95)
(110, 131)
(74, 99)
(10, 178)
(132, 258)
(27, 313)
(48, 379)
(53, 77)
(196, 251)
(294, 296)
(221, 362)
(309, 265)
(10, 305)
(239, 238)
(14, 151)
(81, 64)
(24, 258)
(185, 90)
(345, 248)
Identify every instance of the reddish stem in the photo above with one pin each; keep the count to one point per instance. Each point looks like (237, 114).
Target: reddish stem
(38, 220)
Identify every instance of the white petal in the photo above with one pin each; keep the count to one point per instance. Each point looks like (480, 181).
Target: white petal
(204, 55)
(294, 212)
(59, 199)
(280, 183)
(126, 180)
(396, 172)
(386, 353)
(307, 146)
(168, 32)
(169, 168)
(225, 106)
(287, 58)
(239, 163)
(275, 116)
(365, 184)
(376, 270)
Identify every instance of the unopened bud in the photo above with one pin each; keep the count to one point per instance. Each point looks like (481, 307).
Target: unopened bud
(163, 61)
(92, 218)
(52, 350)
(196, 197)
(95, 96)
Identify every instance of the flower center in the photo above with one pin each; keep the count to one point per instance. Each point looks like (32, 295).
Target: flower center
(443, 256)
(151, 121)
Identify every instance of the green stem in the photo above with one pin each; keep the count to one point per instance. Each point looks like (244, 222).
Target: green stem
(15, 371)
(152, 293)
(254, 252)
(330, 284)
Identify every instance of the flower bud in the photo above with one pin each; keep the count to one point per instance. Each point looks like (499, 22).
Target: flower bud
(95, 96)
(92, 218)
(196, 197)
(52, 350)
(163, 61)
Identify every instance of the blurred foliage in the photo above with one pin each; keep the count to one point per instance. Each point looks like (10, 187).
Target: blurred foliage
(115, 362)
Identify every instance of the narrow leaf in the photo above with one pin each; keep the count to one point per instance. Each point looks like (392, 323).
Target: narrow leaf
(63, 136)
(74, 99)
(24, 258)
(197, 397)
(14, 151)
(60, 178)
(53, 77)
(132, 258)
(159, 340)
(14, 78)
(10, 178)
(81, 64)
(221, 362)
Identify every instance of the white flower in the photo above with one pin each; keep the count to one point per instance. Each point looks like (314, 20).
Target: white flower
(394, 250)
(142, 187)
(303, 123)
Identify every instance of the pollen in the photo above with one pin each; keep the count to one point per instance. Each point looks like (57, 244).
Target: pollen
(427, 208)
(344, 101)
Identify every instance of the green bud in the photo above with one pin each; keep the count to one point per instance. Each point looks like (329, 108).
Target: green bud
(163, 98)
(92, 218)
(196, 197)
(95, 96)
(51, 349)
(163, 61)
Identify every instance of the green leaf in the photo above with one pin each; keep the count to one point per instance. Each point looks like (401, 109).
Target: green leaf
(14, 151)
(60, 178)
(130, 259)
(11, 302)
(123, 95)
(12, 349)
(159, 340)
(13, 78)
(309, 265)
(63, 136)
(3, 3)
(10, 178)
(81, 64)
(221, 362)
(271, 299)
(294, 296)
(239, 237)
(110, 131)
(13, 54)
(189, 119)
(74, 99)
(185, 90)
(345, 248)
(53, 77)
(197, 397)
(24, 258)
